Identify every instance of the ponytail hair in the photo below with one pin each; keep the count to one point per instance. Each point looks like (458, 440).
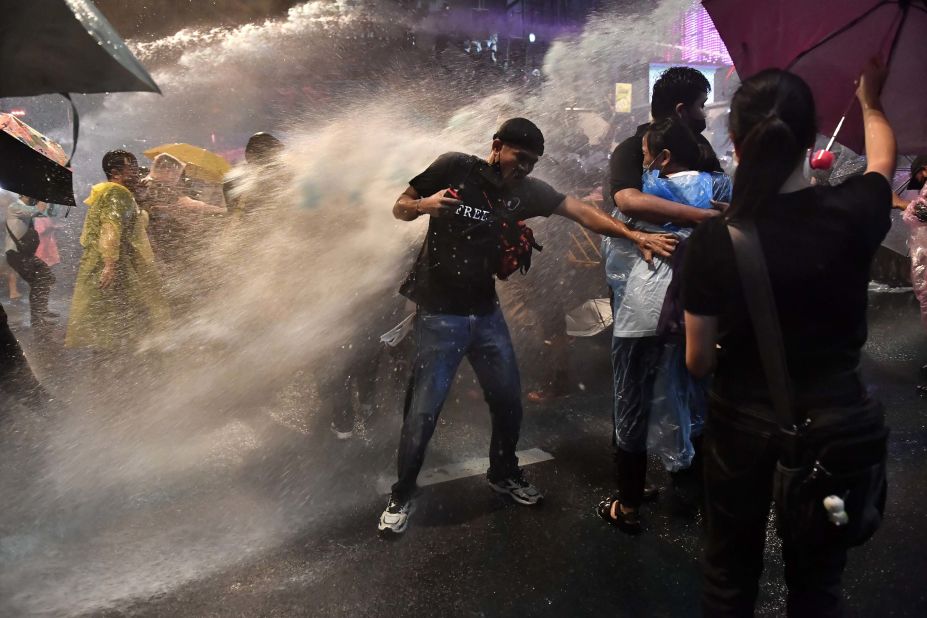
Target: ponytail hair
(772, 124)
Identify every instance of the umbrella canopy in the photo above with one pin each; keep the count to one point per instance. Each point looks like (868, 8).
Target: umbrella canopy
(827, 42)
(50, 46)
(33, 165)
(201, 163)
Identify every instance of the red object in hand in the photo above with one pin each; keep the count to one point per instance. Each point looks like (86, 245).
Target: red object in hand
(822, 160)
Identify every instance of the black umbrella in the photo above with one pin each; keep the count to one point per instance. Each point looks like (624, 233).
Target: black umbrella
(56, 46)
(32, 164)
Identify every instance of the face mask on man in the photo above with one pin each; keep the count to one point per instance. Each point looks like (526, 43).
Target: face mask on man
(698, 125)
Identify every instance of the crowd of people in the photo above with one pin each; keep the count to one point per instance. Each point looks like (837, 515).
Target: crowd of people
(682, 312)
(693, 382)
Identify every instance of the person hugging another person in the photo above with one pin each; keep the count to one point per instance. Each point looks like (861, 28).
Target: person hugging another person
(647, 352)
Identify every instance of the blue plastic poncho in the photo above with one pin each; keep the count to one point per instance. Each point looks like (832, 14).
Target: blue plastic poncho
(639, 289)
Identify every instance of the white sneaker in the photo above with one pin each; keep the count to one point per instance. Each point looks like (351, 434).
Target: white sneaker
(396, 516)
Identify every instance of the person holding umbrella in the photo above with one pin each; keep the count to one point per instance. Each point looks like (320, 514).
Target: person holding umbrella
(22, 243)
(817, 244)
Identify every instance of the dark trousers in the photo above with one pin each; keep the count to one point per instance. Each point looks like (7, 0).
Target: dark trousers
(442, 341)
(16, 377)
(38, 275)
(740, 457)
(634, 363)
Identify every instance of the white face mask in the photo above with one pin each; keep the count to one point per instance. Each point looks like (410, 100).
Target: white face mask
(650, 168)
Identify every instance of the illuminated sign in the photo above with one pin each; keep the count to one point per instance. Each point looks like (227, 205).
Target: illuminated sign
(623, 98)
(699, 41)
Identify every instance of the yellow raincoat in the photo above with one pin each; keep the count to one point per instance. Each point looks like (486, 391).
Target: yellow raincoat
(133, 306)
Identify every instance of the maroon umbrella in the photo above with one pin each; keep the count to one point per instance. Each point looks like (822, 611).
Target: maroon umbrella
(827, 42)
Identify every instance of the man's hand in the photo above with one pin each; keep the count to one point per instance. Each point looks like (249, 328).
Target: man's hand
(437, 205)
(108, 275)
(650, 244)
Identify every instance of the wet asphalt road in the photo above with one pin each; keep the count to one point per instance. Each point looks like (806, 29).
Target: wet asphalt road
(249, 544)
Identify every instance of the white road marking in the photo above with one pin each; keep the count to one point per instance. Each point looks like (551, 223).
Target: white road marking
(470, 467)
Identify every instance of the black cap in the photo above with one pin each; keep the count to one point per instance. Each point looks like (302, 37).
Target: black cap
(521, 132)
(919, 164)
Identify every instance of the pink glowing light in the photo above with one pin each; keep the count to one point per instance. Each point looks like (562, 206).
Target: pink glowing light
(698, 39)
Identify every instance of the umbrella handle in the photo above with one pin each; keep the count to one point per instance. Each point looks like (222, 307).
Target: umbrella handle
(75, 123)
(836, 131)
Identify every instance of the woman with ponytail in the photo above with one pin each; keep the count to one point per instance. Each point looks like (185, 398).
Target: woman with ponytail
(817, 243)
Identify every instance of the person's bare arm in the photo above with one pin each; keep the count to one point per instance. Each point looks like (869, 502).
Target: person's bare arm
(196, 206)
(108, 246)
(639, 205)
(410, 205)
(597, 221)
(701, 344)
(881, 150)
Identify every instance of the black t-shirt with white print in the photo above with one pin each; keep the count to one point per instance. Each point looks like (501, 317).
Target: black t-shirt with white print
(454, 271)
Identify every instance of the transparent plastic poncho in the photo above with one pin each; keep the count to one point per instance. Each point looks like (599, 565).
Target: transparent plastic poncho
(639, 288)
(679, 401)
(917, 244)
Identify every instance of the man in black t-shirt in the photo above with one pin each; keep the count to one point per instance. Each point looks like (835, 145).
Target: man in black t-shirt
(471, 202)
(682, 92)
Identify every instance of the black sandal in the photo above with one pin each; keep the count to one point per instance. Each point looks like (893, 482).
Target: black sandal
(629, 523)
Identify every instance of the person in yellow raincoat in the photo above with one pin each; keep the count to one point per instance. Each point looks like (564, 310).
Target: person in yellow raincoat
(117, 296)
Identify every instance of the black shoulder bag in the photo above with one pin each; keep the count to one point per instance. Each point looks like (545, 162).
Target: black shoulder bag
(516, 239)
(830, 484)
(29, 243)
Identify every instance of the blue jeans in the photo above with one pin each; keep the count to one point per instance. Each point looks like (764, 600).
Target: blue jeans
(442, 341)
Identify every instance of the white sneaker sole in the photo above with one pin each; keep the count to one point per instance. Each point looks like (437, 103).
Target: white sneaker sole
(388, 529)
(397, 530)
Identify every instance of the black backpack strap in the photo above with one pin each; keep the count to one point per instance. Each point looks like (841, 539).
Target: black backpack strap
(19, 246)
(761, 305)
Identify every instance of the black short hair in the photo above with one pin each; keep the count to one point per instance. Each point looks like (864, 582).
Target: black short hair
(674, 135)
(262, 147)
(115, 160)
(677, 85)
(917, 165)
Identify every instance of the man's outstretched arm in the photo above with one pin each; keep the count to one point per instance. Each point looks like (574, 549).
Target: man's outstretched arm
(597, 221)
